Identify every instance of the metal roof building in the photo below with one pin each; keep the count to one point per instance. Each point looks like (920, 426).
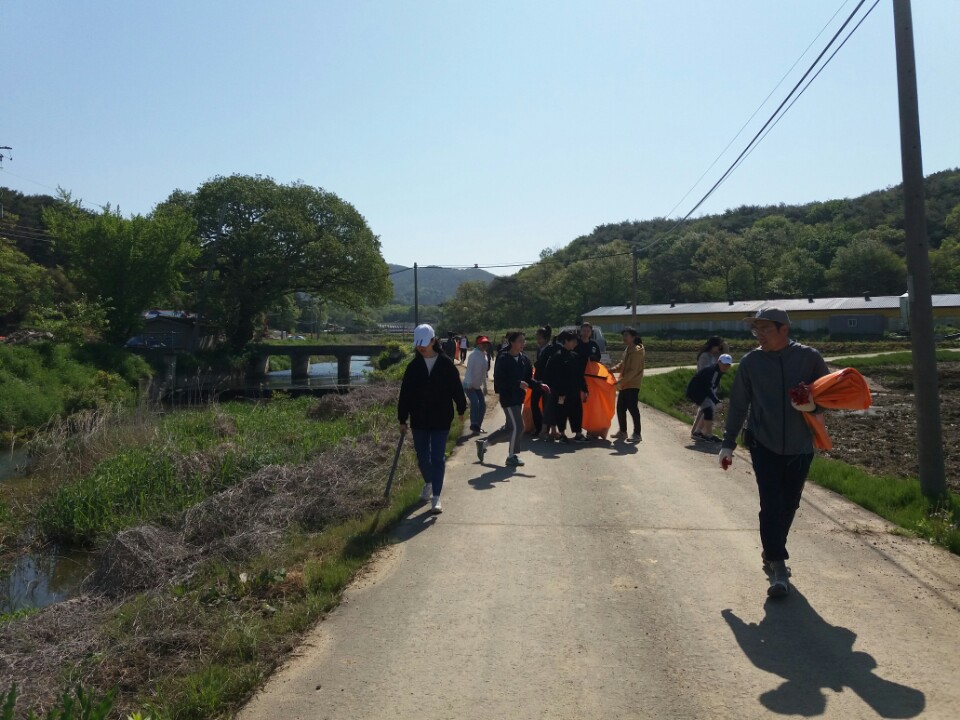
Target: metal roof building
(862, 315)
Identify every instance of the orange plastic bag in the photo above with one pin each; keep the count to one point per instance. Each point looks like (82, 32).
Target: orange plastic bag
(601, 402)
(844, 389)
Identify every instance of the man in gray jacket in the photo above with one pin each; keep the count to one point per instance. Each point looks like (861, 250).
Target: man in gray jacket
(780, 443)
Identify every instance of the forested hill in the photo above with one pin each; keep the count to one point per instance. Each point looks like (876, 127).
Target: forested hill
(435, 284)
(875, 209)
(830, 248)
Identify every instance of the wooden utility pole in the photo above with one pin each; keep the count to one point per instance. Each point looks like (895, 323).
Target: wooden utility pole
(416, 298)
(633, 314)
(926, 391)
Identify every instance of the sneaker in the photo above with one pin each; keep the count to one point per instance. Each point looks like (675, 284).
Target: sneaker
(636, 438)
(579, 438)
(620, 435)
(435, 507)
(564, 439)
(514, 461)
(481, 450)
(475, 428)
(426, 493)
(779, 579)
(768, 566)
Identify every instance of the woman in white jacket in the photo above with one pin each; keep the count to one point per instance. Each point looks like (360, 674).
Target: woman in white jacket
(474, 378)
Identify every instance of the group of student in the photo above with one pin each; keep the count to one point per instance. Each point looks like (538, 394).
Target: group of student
(762, 408)
(557, 381)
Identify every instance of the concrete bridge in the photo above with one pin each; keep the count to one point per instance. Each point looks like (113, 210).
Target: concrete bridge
(300, 355)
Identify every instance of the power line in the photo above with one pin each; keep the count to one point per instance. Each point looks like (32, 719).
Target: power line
(749, 119)
(760, 133)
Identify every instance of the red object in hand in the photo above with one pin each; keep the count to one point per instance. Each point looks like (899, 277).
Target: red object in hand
(726, 462)
(800, 394)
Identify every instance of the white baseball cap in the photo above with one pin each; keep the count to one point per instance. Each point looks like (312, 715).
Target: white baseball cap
(423, 335)
(725, 359)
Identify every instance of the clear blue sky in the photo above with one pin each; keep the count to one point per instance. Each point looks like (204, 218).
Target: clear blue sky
(466, 132)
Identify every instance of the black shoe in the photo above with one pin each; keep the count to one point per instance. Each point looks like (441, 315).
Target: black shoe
(481, 450)
(579, 438)
(779, 579)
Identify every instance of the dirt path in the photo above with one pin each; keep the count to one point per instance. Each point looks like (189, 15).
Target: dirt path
(621, 581)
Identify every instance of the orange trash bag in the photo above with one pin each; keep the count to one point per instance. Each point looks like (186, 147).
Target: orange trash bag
(601, 402)
(526, 413)
(844, 389)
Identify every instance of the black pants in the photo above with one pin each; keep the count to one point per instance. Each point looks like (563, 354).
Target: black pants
(627, 401)
(780, 480)
(536, 395)
(574, 409)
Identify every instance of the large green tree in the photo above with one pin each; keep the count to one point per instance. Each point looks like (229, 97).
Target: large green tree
(867, 265)
(262, 240)
(23, 285)
(127, 265)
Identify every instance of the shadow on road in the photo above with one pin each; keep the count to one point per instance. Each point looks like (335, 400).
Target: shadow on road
(416, 522)
(794, 642)
(488, 480)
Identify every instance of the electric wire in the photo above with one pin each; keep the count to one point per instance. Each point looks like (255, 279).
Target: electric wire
(759, 107)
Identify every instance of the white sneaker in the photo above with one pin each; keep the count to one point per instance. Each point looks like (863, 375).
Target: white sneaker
(426, 493)
(436, 508)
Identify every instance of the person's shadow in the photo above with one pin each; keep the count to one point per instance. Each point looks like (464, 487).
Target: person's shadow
(488, 479)
(794, 642)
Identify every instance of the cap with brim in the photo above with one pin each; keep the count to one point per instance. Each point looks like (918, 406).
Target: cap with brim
(482, 339)
(725, 359)
(773, 314)
(423, 335)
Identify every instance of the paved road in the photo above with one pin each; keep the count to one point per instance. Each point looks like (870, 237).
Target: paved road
(621, 581)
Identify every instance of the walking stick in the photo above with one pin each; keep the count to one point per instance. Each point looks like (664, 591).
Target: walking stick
(393, 469)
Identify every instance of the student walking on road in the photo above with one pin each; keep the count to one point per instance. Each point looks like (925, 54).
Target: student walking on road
(429, 390)
(474, 379)
(464, 346)
(512, 375)
(631, 375)
(703, 389)
(780, 443)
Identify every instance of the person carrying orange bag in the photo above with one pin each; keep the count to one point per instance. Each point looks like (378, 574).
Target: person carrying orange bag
(844, 389)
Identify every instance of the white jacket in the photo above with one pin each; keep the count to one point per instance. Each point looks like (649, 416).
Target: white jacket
(476, 372)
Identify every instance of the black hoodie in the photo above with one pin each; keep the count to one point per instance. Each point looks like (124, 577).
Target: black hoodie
(428, 398)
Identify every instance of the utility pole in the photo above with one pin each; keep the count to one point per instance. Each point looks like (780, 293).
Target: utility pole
(926, 391)
(633, 314)
(416, 298)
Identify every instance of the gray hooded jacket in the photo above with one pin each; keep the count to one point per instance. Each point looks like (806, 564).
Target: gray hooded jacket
(760, 395)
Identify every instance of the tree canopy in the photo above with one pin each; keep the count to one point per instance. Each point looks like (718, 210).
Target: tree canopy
(261, 241)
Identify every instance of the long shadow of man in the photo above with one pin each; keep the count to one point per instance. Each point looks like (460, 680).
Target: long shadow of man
(794, 642)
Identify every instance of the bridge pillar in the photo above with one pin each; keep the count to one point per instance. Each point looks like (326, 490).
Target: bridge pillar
(343, 368)
(258, 367)
(299, 366)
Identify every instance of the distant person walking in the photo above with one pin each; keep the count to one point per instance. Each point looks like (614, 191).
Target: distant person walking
(474, 380)
(704, 390)
(780, 443)
(512, 375)
(428, 392)
(706, 356)
(464, 346)
(631, 375)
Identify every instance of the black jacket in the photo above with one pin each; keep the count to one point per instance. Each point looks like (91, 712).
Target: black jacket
(508, 372)
(428, 399)
(704, 384)
(587, 351)
(563, 373)
(543, 356)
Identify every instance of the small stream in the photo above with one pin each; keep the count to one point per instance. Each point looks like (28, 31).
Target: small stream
(49, 576)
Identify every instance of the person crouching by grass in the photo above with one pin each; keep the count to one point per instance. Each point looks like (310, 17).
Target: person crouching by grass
(703, 390)
(430, 388)
(512, 375)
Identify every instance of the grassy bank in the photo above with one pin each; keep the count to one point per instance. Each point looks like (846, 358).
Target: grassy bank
(224, 538)
(895, 499)
(41, 381)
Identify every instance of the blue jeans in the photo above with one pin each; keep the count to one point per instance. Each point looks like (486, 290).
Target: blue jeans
(431, 447)
(780, 480)
(478, 406)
